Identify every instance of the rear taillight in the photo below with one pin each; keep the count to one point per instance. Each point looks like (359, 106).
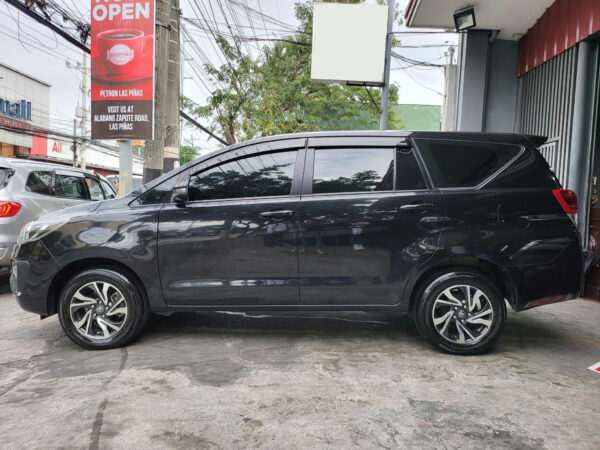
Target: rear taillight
(567, 199)
(9, 209)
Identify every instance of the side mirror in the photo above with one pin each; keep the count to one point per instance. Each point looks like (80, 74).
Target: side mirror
(180, 192)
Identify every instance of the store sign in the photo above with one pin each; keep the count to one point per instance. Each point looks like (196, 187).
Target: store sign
(18, 110)
(123, 69)
(61, 150)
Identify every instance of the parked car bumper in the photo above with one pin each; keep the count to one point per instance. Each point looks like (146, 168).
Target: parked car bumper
(33, 269)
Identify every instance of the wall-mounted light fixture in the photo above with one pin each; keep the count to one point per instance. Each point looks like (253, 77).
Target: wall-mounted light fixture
(464, 19)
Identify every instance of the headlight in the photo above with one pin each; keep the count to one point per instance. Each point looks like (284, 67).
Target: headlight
(37, 229)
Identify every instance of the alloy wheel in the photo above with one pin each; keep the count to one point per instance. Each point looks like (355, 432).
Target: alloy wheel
(462, 314)
(98, 310)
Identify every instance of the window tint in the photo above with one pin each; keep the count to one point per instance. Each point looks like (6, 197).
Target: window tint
(40, 182)
(353, 170)
(408, 173)
(461, 163)
(96, 193)
(256, 176)
(108, 190)
(159, 194)
(69, 186)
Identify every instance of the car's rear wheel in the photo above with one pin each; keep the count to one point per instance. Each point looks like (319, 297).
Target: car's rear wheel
(460, 313)
(102, 309)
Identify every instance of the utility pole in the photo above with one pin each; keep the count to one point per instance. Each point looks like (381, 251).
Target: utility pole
(162, 153)
(172, 138)
(81, 112)
(74, 143)
(84, 93)
(385, 92)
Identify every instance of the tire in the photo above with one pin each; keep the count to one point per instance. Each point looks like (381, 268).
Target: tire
(458, 329)
(95, 324)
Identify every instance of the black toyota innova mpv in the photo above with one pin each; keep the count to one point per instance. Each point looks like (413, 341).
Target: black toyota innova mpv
(450, 227)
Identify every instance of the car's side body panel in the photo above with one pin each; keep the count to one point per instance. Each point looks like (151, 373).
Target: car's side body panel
(360, 248)
(539, 255)
(122, 235)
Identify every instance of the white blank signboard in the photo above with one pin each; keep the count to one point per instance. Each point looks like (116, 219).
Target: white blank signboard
(348, 43)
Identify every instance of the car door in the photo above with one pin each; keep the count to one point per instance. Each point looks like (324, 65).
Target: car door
(368, 218)
(234, 241)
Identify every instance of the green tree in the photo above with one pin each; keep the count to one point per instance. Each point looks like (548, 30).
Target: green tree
(187, 153)
(273, 93)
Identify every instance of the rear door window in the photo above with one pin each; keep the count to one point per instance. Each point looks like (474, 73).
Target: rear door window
(40, 182)
(353, 170)
(454, 164)
(69, 186)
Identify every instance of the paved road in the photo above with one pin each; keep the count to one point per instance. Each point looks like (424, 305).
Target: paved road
(300, 381)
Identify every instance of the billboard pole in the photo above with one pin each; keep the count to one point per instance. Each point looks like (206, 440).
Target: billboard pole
(385, 92)
(125, 167)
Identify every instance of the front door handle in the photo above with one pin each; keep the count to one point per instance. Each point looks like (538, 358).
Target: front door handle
(279, 214)
(416, 206)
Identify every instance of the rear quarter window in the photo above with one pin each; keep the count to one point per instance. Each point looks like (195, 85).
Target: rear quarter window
(4, 176)
(40, 182)
(454, 164)
(530, 170)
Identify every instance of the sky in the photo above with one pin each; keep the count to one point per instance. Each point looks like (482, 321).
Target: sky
(33, 49)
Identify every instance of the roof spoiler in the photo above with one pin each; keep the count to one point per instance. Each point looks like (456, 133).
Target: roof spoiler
(537, 141)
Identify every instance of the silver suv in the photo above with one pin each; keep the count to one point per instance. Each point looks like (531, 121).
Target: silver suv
(29, 189)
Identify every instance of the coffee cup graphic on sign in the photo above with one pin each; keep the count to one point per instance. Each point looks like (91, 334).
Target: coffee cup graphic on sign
(121, 50)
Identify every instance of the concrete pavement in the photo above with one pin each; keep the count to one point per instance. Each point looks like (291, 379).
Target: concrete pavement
(300, 380)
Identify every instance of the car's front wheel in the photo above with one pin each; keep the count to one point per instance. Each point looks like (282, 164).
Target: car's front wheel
(102, 309)
(460, 313)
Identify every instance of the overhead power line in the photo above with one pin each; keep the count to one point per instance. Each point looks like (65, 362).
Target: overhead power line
(43, 14)
(206, 130)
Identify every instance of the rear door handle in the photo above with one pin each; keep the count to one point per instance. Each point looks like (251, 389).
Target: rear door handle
(279, 214)
(417, 206)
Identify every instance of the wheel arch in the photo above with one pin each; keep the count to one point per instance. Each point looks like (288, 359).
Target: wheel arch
(498, 275)
(75, 267)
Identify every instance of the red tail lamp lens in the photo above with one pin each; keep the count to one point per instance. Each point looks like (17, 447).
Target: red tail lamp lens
(567, 199)
(9, 209)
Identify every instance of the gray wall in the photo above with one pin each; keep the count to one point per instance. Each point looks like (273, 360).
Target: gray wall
(473, 80)
(502, 87)
(487, 94)
(546, 102)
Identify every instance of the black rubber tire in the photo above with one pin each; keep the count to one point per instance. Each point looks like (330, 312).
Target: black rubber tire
(137, 314)
(430, 291)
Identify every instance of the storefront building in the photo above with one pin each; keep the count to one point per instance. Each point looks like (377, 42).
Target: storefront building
(24, 106)
(25, 127)
(531, 67)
